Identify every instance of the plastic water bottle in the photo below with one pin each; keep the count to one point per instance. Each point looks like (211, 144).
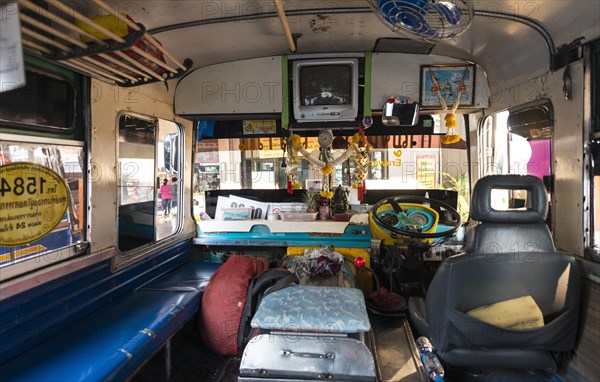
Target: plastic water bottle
(431, 363)
(433, 367)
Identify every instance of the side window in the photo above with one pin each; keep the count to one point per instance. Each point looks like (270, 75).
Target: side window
(47, 102)
(42, 180)
(148, 187)
(517, 141)
(21, 195)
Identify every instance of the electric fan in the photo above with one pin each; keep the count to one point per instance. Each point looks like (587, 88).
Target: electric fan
(428, 19)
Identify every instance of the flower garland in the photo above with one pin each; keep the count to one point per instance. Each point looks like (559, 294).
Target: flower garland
(326, 167)
(291, 170)
(450, 118)
(361, 161)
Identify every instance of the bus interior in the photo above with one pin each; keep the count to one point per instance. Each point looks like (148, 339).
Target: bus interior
(359, 190)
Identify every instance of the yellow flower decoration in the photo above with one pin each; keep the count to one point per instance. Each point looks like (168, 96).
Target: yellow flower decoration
(360, 174)
(450, 117)
(296, 140)
(355, 138)
(451, 124)
(450, 138)
(326, 170)
(296, 186)
(326, 194)
(360, 160)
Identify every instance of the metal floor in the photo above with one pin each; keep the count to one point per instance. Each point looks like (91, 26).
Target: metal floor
(192, 361)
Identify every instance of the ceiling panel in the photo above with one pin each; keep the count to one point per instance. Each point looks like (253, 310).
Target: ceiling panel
(494, 44)
(159, 13)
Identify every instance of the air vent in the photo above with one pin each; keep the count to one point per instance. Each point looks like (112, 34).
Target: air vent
(402, 45)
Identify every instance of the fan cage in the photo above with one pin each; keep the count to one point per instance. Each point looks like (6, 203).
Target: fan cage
(431, 20)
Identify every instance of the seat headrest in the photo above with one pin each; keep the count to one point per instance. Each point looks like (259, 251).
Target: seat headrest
(481, 201)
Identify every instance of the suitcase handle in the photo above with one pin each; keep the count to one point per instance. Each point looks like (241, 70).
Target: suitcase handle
(289, 353)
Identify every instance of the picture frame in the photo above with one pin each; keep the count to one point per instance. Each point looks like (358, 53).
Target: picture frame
(449, 78)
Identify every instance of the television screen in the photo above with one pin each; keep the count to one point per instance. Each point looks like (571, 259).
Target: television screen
(326, 85)
(325, 90)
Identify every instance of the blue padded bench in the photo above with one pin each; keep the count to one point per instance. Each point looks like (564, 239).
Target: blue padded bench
(115, 341)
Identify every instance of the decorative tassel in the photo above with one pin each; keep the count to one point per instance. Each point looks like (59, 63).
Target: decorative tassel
(361, 192)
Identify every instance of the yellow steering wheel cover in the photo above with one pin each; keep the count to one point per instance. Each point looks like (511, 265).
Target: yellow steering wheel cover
(390, 238)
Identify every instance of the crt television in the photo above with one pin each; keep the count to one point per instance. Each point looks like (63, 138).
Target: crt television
(325, 90)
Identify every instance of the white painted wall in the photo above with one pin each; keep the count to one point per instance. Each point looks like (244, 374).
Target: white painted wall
(238, 87)
(568, 147)
(397, 74)
(107, 102)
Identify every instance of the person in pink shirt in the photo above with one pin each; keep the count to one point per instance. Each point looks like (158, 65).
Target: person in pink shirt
(165, 195)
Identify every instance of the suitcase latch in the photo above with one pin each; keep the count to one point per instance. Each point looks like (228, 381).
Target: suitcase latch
(289, 353)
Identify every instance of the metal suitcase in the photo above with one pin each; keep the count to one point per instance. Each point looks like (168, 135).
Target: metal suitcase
(296, 357)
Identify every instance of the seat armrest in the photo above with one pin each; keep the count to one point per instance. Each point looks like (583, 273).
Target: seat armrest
(418, 315)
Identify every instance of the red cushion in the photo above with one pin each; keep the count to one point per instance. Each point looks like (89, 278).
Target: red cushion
(223, 302)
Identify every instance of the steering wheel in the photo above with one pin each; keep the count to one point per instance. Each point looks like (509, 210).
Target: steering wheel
(414, 216)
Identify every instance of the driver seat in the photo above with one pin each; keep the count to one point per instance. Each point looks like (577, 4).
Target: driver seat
(480, 277)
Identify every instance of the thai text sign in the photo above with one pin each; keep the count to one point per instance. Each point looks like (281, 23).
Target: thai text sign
(33, 200)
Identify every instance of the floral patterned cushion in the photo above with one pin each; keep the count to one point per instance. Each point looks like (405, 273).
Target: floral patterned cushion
(314, 309)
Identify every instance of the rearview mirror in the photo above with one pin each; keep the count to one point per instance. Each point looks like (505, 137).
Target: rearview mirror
(400, 114)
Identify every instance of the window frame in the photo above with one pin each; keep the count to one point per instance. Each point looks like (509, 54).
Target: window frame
(37, 68)
(488, 138)
(59, 255)
(591, 120)
(400, 140)
(126, 257)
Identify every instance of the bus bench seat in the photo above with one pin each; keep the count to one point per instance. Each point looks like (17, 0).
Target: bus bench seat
(193, 276)
(114, 342)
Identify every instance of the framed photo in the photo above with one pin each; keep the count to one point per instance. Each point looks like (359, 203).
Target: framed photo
(449, 78)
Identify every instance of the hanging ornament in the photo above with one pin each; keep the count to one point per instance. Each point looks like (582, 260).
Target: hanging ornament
(450, 118)
(284, 148)
(291, 170)
(361, 193)
(361, 161)
(357, 148)
(296, 142)
(367, 122)
(451, 136)
(327, 169)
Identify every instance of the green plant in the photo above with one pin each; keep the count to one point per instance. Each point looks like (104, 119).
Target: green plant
(311, 199)
(459, 184)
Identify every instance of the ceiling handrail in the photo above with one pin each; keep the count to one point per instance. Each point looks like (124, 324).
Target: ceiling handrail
(285, 25)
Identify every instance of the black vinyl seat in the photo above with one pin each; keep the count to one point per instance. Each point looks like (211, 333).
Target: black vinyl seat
(509, 231)
(508, 254)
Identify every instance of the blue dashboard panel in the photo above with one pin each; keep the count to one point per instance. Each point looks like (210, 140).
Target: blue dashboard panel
(354, 236)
